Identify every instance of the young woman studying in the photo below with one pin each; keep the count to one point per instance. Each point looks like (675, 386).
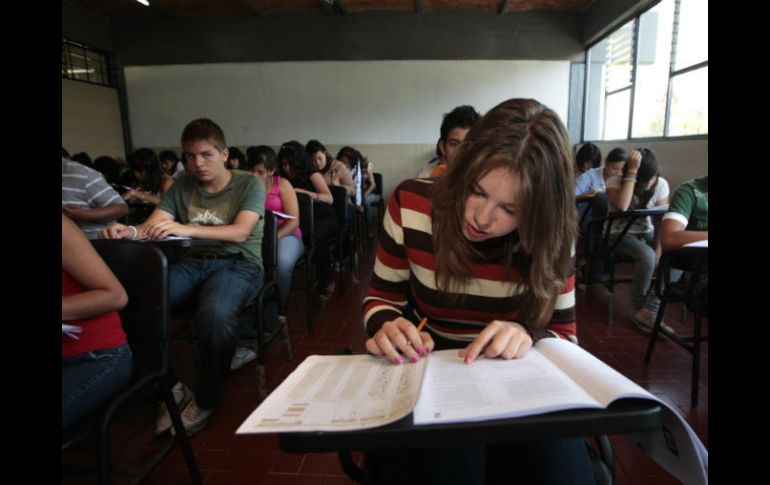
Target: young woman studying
(499, 277)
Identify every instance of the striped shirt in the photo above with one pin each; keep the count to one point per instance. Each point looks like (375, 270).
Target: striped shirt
(404, 273)
(87, 189)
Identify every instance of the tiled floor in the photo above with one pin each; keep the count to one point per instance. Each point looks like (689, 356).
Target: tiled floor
(224, 458)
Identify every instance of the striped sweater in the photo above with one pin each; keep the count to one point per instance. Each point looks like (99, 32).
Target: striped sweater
(403, 273)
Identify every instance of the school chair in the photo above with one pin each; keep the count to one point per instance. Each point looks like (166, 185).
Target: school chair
(142, 269)
(380, 204)
(308, 261)
(344, 243)
(692, 291)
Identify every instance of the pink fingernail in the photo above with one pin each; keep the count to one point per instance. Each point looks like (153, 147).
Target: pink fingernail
(414, 359)
(399, 360)
(468, 359)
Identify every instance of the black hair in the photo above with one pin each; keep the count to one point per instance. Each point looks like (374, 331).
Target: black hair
(464, 116)
(145, 160)
(237, 154)
(260, 155)
(647, 170)
(617, 155)
(82, 158)
(588, 152)
(349, 155)
(168, 155)
(65, 153)
(109, 167)
(298, 159)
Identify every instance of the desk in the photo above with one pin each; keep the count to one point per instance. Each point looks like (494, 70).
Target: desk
(174, 248)
(624, 416)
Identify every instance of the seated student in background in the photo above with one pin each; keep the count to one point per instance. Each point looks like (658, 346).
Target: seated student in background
(454, 127)
(370, 185)
(235, 159)
(97, 364)
(88, 199)
(280, 197)
(83, 158)
(485, 253)
(65, 154)
(297, 167)
(351, 158)
(334, 171)
(149, 182)
(109, 168)
(640, 187)
(170, 163)
(208, 202)
(588, 156)
(687, 219)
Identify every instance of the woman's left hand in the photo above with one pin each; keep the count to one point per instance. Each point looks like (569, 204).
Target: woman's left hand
(508, 340)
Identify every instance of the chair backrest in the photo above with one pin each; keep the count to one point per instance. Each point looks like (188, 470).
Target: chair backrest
(340, 196)
(270, 244)
(142, 269)
(306, 224)
(378, 181)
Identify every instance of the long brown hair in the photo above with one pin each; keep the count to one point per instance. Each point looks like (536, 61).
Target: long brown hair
(529, 139)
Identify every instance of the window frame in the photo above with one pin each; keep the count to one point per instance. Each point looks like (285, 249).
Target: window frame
(673, 74)
(106, 75)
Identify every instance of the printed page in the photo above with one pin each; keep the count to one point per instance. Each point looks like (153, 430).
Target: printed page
(339, 393)
(494, 388)
(698, 244)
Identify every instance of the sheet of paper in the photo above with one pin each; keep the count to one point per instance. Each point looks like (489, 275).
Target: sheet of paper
(71, 331)
(494, 388)
(282, 215)
(338, 393)
(698, 244)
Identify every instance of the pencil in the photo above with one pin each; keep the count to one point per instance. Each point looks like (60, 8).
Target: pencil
(422, 324)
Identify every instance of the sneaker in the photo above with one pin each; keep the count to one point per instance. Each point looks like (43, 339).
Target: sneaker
(282, 319)
(241, 357)
(194, 418)
(182, 395)
(644, 320)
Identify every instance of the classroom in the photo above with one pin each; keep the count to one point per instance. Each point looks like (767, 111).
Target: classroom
(249, 183)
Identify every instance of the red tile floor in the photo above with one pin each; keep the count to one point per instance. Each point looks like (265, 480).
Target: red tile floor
(224, 458)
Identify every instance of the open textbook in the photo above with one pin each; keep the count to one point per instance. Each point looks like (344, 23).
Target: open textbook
(352, 392)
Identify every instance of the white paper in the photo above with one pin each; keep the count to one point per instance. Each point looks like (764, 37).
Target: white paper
(698, 244)
(71, 330)
(337, 393)
(282, 215)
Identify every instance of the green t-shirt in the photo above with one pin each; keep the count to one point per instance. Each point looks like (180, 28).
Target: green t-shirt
(190, 204)
(690, 204)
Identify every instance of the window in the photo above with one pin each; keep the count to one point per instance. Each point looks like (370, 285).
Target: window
(84, 63)
(649, 78)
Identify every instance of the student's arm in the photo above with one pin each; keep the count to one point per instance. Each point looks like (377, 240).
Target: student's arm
(290, 206)
(673, 235)
(122, 231)
(621, 198)
(236, 232)
(107, 213)
(391, 334)
(322, 191)
(372, 183)
(104, 293)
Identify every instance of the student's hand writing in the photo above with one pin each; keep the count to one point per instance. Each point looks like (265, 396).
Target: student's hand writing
(508, 340)
(634, 160)
(400, 335)
(164, 229)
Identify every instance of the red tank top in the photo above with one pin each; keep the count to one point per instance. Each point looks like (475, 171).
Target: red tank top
(100, 332)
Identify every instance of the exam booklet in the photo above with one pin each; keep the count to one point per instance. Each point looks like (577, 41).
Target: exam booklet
(353, 392)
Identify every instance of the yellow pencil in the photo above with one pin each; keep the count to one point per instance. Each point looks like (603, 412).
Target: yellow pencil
(422, 324)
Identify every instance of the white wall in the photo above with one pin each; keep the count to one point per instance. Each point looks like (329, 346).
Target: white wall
(363, 102)
(90, 119)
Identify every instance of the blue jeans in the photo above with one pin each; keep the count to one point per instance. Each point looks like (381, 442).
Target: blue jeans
(368, 201)
(90, 379)
(223, 288)
(290, 248)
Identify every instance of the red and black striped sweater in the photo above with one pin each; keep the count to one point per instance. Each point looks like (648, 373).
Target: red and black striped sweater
(403, 273)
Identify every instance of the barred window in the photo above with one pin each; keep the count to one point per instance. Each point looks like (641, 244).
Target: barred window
(83, 63)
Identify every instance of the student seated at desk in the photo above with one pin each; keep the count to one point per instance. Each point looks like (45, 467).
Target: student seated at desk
(687, 219)
(97, 362)
(485, 253)
(208, 202)
(148, 181)
(640, 187)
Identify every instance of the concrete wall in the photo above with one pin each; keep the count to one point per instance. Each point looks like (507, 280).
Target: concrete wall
(91, 119)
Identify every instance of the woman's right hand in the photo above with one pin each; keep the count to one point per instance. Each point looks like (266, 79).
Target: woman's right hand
(398, 337)
(118, 231)
(634, 161)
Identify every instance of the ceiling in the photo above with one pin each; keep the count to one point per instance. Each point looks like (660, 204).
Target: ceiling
(198, 8)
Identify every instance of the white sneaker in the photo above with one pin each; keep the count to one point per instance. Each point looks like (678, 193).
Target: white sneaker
(644, 320)
(194, 418)
(182, 395)
(282, 319)
(241, 357)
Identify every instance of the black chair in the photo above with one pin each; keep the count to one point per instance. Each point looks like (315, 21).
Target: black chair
(345, 238)
(692, 291)
(268, 292)
(599, 231)
(143, 271)
(307, 261)
(380, 204)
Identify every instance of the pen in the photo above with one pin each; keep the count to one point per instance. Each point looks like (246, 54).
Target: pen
(422, 324)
